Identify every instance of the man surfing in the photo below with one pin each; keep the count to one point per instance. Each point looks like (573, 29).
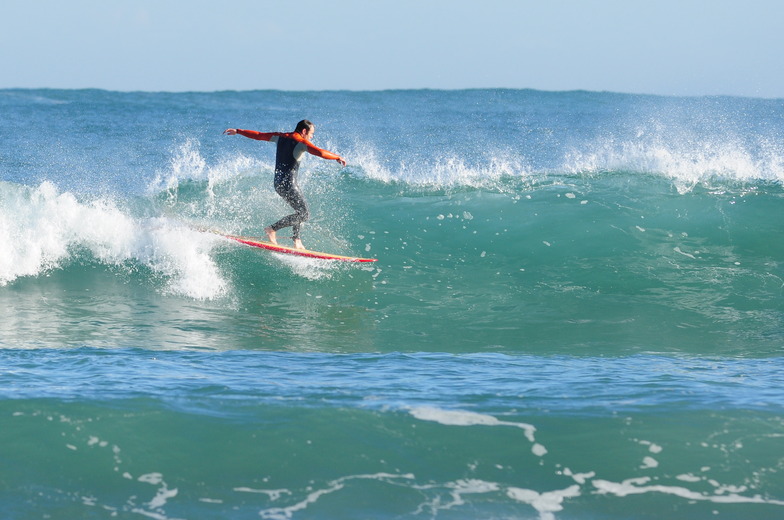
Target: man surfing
(291, 147)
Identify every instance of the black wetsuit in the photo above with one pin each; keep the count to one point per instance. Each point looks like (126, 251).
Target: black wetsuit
(286, 168)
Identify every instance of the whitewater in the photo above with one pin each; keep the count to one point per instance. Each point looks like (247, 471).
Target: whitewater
(576, 311)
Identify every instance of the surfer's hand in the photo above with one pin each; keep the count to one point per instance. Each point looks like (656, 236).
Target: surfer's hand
(231, 131)
(341, 160)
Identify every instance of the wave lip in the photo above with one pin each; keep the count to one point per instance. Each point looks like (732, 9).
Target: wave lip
(686, 163)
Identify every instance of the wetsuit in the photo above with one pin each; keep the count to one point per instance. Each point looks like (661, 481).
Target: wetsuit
(291, 147)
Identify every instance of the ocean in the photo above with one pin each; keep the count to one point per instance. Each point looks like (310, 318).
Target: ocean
(577, 311)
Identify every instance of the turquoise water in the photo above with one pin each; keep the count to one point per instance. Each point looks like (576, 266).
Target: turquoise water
(576, 310)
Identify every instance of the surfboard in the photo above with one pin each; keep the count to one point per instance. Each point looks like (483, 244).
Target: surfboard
(269, 246)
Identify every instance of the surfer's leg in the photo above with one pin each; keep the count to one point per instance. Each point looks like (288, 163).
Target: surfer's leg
(271, 234)
(293, 196)
(302, 214)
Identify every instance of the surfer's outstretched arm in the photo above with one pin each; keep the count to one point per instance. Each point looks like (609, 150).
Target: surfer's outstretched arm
(312, 149)
(267, 136)
(324, 154)
(259, 136)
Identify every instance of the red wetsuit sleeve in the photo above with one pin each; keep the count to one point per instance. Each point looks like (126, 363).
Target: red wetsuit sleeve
(319, 152)
(259, 136)
(313, 149)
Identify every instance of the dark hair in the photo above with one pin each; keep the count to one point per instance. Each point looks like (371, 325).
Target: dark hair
(303, 125)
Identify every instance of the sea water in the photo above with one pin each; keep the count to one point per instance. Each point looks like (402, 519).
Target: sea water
(577, 310)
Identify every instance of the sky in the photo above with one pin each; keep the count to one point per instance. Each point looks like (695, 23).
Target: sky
(665, 47)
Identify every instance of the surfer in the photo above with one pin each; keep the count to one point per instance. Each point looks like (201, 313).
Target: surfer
(291, 147)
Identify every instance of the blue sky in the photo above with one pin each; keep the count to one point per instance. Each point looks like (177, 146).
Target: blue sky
(669, 47)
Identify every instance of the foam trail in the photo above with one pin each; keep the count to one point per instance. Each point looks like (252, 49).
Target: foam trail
(463, 418)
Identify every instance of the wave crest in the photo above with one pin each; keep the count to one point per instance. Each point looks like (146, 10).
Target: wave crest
(687, 162)
(44, 229)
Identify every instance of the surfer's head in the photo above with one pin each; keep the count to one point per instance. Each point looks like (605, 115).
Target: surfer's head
(306, 128)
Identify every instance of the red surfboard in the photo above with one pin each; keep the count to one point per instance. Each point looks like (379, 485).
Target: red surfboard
(257, 242)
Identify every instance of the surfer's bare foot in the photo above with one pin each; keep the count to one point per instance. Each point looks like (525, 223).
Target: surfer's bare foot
(298, 244)
(272, 235)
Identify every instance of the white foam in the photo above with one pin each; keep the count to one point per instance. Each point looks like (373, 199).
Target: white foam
(163, 494)
(636, 487)
(456, 491)
(463, 418)
(538, 450)
(273, 494)
(309, 268)
(39, 225)
(688, 477)
(183, 257)
(689, 255)
(474, 486)
(42, 229)
(149, 514)
(649, 462)
(284, 513)
(151, 478)
(545, 503)
(580, 478)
